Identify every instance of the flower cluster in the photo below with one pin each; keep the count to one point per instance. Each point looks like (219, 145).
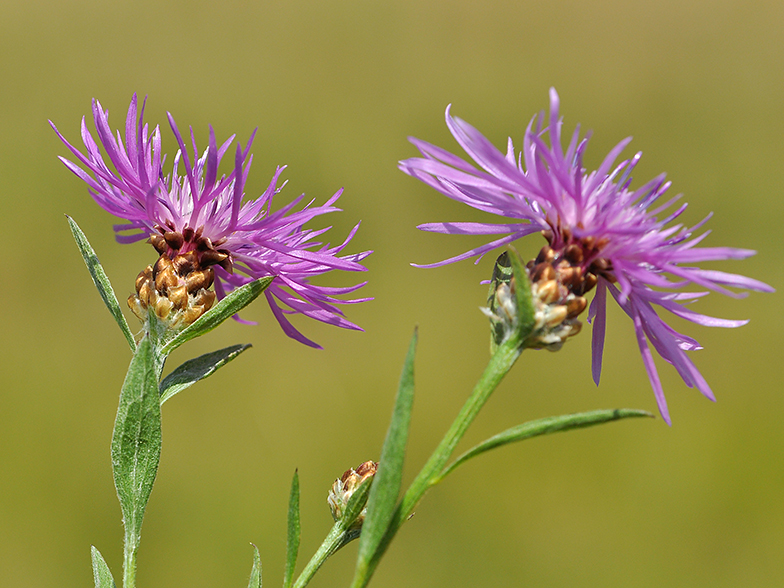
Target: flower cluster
(600, 233)
(193, 213)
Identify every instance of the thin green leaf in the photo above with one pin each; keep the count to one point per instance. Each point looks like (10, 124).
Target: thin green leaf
(292, 541)
(100, 280)
(197, 369)
(101, 574)
(526, 318)
(543, 427)
(136, 440)
(255, 572)
(386, 483)
(357, 501)
(230, 305)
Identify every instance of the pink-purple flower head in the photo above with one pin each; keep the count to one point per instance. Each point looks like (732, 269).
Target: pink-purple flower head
(194, 210)
(617, 238)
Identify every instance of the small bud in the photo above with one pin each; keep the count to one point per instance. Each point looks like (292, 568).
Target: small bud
(343, 488)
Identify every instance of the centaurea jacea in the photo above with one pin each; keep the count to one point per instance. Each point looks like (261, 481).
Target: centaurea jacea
(600, 233)
(203, 231)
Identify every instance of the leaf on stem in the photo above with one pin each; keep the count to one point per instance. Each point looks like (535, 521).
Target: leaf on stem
(543, 427)
(228, 306)
(526, 314)
(292, 541)
(255, 572)
(357, 502)
(136, 440)
(101, 574)
(100, 280)
(197, 369)
(386, 483)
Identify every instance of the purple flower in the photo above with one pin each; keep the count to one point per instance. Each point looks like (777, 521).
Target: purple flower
(202, 212)
(612, 236)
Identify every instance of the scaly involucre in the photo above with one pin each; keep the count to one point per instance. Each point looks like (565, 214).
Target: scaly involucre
(250, 240)
(629, 248)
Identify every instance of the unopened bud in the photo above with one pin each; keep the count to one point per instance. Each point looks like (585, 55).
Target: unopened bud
(345, 486)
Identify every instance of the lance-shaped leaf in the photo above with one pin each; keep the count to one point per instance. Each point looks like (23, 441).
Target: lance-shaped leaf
(228, 306)
(543, 427)
(292, 541)
(101, 574)
(197, 369)
(136, 441)
(255, 572)
(386, 483)
(100, 280)
(356, 503)
(525, 305)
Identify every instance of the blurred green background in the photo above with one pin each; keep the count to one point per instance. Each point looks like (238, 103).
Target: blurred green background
(335, 89)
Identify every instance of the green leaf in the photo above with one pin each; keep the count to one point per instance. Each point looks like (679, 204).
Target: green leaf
(101, 574)
(292, 542)
(357, 501)
(228, 306)
(100, 280)
(197, 369)
(526, 314)
(136, 440)
(255, 573)
(543, 427)
(386, 483)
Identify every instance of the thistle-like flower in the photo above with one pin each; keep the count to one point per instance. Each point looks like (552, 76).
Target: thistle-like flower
(202, 230)
(600, 233)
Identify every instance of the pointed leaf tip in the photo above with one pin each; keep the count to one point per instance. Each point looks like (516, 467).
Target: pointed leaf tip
(227, 307)
(386, 483)
(255, 572)
(545, 426)
(197, 369)
(101, 573)
(101, 280)
(293, 536)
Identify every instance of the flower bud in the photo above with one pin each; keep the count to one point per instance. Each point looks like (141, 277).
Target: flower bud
(345, 486)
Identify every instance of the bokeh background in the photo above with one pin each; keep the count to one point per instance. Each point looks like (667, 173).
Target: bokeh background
(335, 88)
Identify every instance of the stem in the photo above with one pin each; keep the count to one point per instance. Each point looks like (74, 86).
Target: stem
(129, 563)
(500, 363)
(333, 542)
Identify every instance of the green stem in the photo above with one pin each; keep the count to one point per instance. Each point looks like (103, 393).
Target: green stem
(500, 363)
(334, 541)
(129, 563)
